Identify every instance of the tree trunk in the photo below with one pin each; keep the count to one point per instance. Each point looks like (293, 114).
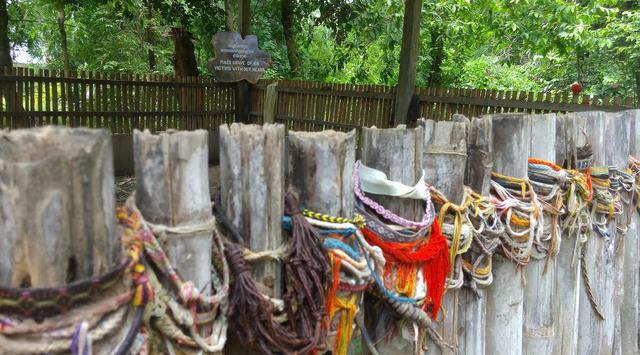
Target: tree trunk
(637, 75)
(63, 35)
(287, 19)
(184, 58)
(229, 18)
(5, 46)
(437, 57)
(149, 37)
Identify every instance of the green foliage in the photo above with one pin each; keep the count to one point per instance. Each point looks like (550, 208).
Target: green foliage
(496, 44)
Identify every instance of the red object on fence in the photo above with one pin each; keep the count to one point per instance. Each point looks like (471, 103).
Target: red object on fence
(576, 88)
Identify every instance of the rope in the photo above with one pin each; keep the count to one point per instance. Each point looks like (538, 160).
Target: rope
(587, 285)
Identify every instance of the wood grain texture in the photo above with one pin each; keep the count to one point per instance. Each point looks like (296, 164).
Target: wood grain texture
(603, 262)
(252, 192)
(629, 310)
(539, 294)
(320, 170)
(172, 189)
(444, 159)
(511, 147)
(56, 206)
(568, 278)
(479, 155)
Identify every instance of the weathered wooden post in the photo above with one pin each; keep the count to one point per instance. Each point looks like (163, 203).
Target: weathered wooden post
(320, 172)
(408, 55)
(396, 152)
(539, 294)
(57, 206)
(251, 188)
(618, 129)
(598, 335)
(629, 309)
(472, 318)
(172, 189)
(57, 212)
(270, 103)
(444, 160)
(511, 147)
(568, 282)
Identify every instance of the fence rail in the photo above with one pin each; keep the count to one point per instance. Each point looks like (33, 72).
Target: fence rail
(122, 102)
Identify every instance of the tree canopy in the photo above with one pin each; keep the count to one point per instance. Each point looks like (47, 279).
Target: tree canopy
(533, 45)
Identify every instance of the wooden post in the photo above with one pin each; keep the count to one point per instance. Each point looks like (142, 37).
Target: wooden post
(629, 310)
(618, 130)
(243, 99)
(610, 142)
(568, 280)
(472, 318)
(511, 137)
(480, 155)
(398, 153)
(270, 103)
(320, 170)
(444, 160)
(57, 206)
(408, 55)
(539, 294)
(251, 184)
(172, 189)
(57, 213)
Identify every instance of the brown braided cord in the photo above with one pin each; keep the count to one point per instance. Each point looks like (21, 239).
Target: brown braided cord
(306, 272)
(587, 284)
(251, 313)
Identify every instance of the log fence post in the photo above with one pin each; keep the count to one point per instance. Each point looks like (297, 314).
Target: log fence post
(539, 293)
(511, 148)
(397, 152)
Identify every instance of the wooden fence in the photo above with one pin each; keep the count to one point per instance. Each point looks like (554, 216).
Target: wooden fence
(124, 102)
(119, 102)
(305, 105)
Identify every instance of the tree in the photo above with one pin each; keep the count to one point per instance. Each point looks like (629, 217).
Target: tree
(287, 18)
(63, 33)
(5, 47)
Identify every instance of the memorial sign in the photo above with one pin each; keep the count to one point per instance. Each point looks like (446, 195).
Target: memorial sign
(237, 58)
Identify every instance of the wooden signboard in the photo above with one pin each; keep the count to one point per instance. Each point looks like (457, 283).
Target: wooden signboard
(237, 58)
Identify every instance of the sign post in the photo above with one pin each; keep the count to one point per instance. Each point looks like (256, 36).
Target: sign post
(238, 59)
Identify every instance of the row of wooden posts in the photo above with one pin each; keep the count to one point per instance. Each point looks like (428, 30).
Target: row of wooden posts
(53, 231)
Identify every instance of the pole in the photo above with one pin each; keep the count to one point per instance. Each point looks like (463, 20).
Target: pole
(408, 56)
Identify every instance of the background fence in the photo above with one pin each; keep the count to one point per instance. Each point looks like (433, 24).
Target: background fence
(122, 102)
(119, 102)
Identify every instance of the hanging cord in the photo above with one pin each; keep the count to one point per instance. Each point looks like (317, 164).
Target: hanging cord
(587, 284)
(403, 306)
(251, 312)
(520, 211)
(458, 233)
(193, 309)
(546, 179)
(487, 229)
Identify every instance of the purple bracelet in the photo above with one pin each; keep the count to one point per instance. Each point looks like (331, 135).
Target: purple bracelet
(427, 218)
